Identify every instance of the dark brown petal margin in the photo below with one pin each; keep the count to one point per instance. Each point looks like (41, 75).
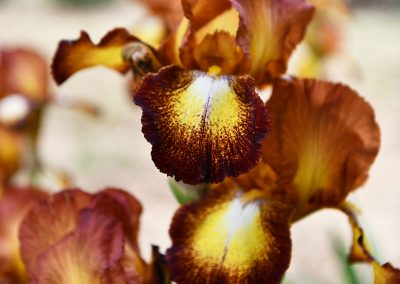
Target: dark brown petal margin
(323, 141)
(75, 55)
(269, 31)
(202, 127)
(230, 236)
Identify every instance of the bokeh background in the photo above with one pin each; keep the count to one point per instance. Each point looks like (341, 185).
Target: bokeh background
(110, 150)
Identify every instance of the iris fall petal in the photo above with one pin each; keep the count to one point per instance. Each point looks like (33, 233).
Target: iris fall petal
(202, 127)
(323, 142)
(231, 236)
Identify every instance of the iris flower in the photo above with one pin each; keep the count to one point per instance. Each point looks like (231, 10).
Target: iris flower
(207, 124)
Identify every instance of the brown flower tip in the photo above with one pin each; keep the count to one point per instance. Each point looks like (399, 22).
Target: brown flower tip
(169, 10)
(323, 142)
(73, 56)
(268, 33)
(24, 72)
(383, 274)
(83, 238)
(202, 127)
(231, 236)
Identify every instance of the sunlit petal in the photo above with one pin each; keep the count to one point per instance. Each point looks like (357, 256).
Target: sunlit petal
(202, 127)
(75, 55)
(269, 31)
(230, 237)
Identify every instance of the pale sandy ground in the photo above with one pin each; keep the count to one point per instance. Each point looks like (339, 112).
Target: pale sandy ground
(112, 151)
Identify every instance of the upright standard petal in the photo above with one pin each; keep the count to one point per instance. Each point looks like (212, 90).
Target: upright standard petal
(231, 236)
(268, 33)
(202, 127)
(24, 72)
(73, 56)
(323, 142)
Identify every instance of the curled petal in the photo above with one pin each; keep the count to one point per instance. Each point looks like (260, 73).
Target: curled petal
(202, 127)
(201, 12)
(230, 237)
(53, 218)
(24, 72)
(91, 254)
(323, 142)
(268, 33)
(14, 204)
(383, 274)
(73, 56)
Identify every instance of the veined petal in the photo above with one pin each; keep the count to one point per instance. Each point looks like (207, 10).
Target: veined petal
(24, 72)
(91, 254)
(73, 56)
(323, 142)
(14, 204)
(383, 274)
(268, 33)
(230, 237)
(53, 218)
(202, 127)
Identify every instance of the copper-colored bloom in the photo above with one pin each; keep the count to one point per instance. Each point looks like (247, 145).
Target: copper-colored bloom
(221, 131)
(75, 237)
(231, 236)
(14, 203)
(323, 142)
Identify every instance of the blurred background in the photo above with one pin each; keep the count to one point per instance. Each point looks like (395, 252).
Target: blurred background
(110, 150)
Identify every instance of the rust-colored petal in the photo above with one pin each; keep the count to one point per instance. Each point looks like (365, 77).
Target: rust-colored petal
(202, 127)
(75, 55)
(48, 222)
(323, 141)
(91, 254)
(14, 204)
(24, 72)
(383, 274)
(231, 236)
(122, 206)
(268, 33)
(210, 24)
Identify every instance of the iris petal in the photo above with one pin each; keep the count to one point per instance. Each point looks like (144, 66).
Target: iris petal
(231, 236)
(323, 142)
(73, 56)
(202, 127)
